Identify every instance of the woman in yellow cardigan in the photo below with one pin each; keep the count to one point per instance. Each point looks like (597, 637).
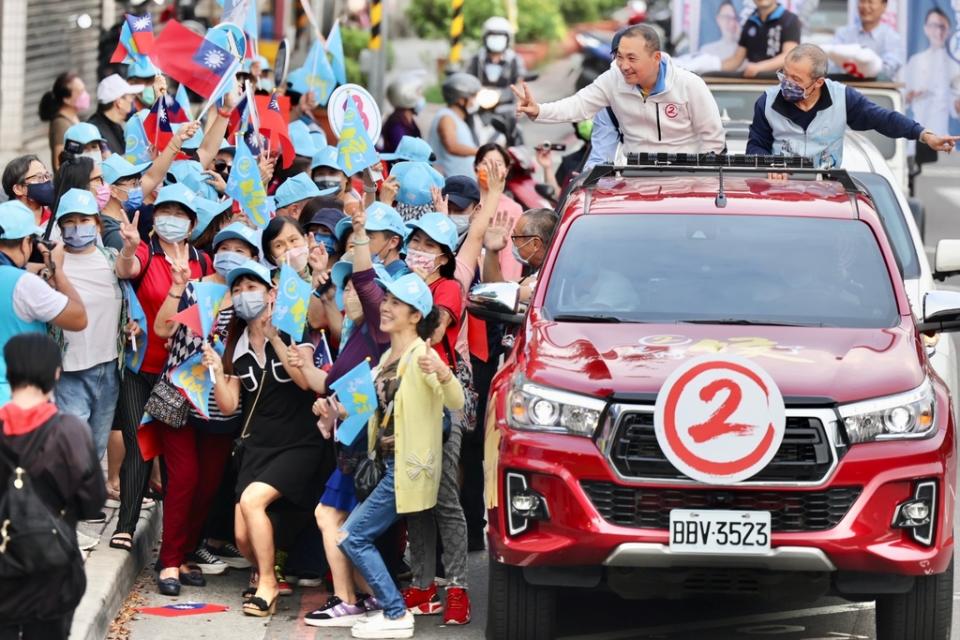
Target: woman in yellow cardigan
(413, 385)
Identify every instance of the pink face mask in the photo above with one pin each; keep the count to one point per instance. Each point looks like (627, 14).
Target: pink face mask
(103, 195)
(82, 103)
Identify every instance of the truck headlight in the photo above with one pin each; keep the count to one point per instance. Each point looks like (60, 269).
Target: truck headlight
(532, 407)
(907, 415)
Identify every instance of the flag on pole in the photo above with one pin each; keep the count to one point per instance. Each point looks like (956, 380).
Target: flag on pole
(136, 144)
(210, 297)
(193, 60)
(356, 393)
(136, 349)
(183, 102)
(136, 39)
(335, 49)
(157, 124)
(246, 187)
(193, 378)
(322, 358)
(355, 149)
(320, 78)
(293, 298)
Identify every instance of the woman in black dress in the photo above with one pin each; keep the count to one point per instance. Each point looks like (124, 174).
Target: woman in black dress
(284, 458)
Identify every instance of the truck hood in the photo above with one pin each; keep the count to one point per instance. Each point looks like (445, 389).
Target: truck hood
(843, 365)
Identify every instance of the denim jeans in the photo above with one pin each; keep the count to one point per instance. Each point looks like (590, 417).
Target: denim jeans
(368, 521)
(91, 395)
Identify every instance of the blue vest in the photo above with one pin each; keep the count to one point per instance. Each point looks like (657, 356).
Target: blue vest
(447, 163)
(822, 142)
(11, 324)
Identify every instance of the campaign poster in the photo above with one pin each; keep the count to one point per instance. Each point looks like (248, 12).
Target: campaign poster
(720, 24)
(932, 73)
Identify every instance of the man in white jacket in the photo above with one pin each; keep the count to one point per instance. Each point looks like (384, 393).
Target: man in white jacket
(659, 106)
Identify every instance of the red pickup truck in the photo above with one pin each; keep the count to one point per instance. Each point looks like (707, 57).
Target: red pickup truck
(600, 473)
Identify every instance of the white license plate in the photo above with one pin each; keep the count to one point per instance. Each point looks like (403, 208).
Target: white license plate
(731, 532)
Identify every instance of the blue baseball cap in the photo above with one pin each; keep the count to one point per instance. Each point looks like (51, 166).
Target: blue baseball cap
(83, 133)
(303, 144)
(327, 157)
(116, 168)
(344, 226)
(142, 68)
(17, 221)
(207, 210)
(383, 217)
(463, 191)
(237, 231)
(416, 179)
(77, 201)
(194, 141)
(179, 194)
(250, 268)
(299, 187)
(439, 227)
(327, 218)
(410, 148)
(411, 289)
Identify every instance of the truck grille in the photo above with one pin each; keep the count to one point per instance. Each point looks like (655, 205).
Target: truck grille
(790, 511)
(805, 455)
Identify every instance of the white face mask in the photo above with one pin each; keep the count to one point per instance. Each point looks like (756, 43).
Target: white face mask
(462, 222)
(496, 42)
(473, 107)
(96, 156)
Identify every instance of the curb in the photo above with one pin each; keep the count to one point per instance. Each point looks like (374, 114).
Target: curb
(110, 576)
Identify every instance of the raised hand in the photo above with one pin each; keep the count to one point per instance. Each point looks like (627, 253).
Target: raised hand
(130, 233)
(180, 265)
(495, 239)
(430, 362)
(526, 103)
(294, 358)
(941, 143)
(214, 179)
(318, 257)
(359, 219)
(440, 201)
(389, 190)
(496, 177)
(212, 359)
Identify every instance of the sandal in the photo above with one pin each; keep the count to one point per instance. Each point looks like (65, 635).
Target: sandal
(121, 541)
(248, 593)
(259, 608)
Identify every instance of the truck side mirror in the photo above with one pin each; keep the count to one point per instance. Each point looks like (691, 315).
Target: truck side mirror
(947, 260)
(496, 302)
(941, 312)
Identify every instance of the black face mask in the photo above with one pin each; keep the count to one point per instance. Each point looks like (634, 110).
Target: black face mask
(327, 183)
(42, 193)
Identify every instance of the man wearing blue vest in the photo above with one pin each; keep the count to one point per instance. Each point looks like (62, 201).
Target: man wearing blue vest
(807, 114)
(27, 303)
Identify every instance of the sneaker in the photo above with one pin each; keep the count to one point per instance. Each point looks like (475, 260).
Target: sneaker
(369, 602)
(380, 626)
(286, 589)
(307, 580)
(336, 613)
(457, 610)
(85, 542)
(422, 602)
(100, 518)
(230, 555)
(208, 563)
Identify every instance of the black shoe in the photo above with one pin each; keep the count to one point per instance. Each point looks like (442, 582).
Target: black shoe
(193, 579)
(168, 586)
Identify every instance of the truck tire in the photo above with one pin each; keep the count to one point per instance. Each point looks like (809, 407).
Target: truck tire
(923, 613)
(518, 610)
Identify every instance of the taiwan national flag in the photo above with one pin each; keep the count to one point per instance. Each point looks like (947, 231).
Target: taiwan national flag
(193, 60)
(136, 38)
(157, 125)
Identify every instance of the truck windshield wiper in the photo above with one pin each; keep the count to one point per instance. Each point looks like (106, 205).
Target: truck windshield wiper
(573, 317)
(746, 322)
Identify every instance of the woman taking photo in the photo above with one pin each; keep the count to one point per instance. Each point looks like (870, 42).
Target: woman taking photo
(413, 385)
(282, 452)
(61, 107)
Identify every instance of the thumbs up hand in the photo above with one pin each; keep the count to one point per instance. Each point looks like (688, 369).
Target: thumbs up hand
(430, 362)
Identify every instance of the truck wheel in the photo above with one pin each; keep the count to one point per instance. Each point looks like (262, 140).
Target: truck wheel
(923, 613)
(518, 610)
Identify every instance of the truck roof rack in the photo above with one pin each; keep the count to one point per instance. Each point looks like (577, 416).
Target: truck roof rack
(647, 164)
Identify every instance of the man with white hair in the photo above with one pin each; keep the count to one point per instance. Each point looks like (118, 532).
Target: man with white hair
(807, 114)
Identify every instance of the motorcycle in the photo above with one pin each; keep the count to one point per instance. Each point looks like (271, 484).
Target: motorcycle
(521, 185)
(498, 102)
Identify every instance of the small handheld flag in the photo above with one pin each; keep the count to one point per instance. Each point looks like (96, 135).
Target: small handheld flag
(358, 396)
(293, 299)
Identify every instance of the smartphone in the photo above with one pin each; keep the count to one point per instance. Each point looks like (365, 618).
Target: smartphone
(552, 146)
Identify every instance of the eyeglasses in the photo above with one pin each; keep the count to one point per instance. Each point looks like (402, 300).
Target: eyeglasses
(97, 181)
(519, 237)
(128, 184)
(38, 178)
(220, 166)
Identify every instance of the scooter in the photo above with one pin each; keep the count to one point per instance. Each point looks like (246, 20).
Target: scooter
(498, 102)
(597, 56)
(521, 184)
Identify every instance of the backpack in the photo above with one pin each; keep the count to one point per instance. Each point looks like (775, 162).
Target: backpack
(34, 539)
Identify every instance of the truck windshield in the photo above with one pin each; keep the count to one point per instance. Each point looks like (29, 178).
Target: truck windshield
(721, 268)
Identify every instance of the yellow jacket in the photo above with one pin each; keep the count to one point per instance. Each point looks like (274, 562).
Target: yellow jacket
(418, 427)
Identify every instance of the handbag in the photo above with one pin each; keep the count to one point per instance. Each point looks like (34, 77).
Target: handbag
(370, 469)
(464, 374)
(238, 444)
(167, 404)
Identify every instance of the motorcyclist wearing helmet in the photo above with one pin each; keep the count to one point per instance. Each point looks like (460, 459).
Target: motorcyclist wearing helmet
(496, 64)
(406, 96)
(453, 134)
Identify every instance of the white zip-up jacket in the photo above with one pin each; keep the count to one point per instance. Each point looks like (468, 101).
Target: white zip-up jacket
(680, 115)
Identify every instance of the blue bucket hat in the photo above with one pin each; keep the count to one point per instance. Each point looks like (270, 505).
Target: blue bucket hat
(182, 195)
(83, 133)
(250, 268)
(17, 221)
(383, 217)
(299, 187)
(77, 201)
(410, 288)
(344, 226)
(327, 157)
(190, 174)
(142, 68)
(117, 168)
(327, 218)
(413, 149)
(439, 227)
(237, 231)
(207, 210)
(303, 144)
(416, 179)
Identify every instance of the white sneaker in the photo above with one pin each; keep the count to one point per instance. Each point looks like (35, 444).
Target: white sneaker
(380, 626)
(85, 542)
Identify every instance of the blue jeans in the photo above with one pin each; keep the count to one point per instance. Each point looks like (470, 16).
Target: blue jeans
(368, 521)
(91, 395)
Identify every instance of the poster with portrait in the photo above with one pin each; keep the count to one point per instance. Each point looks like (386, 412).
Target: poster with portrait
(720, 23)
(932, 73)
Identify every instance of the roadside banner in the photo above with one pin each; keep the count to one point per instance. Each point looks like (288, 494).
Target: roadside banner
(932, 72)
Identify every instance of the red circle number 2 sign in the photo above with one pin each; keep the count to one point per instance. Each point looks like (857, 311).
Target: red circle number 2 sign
(719, 419)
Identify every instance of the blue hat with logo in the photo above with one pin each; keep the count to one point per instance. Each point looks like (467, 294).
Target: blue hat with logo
(410, 148)
(238, 231)
(83, 133)
(383, 217)
(250, 268)
(207, 210)
(17, 221)
(142, 68)
(410, 288)
(344, 226)
(299, 187)
(303, 144)
(190, 173)
(326, 157)
(416, 179)
(194, 141)
(343, 269)
(439, 227)
(77, 201)
(181, 195)
(327, 218)
(117, 168)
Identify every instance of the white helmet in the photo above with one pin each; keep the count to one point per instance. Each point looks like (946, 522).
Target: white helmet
(405, 92)
(497, 34)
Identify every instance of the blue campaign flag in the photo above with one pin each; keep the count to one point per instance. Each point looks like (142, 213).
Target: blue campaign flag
(293, 299)
(209, 300)
(335, 49)
(356, 393)
(133, 358)
(193, 378)
(183, 101)
(320, 77)
(355, 149)
(242, 13)
(246, 187)
(137, 147)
